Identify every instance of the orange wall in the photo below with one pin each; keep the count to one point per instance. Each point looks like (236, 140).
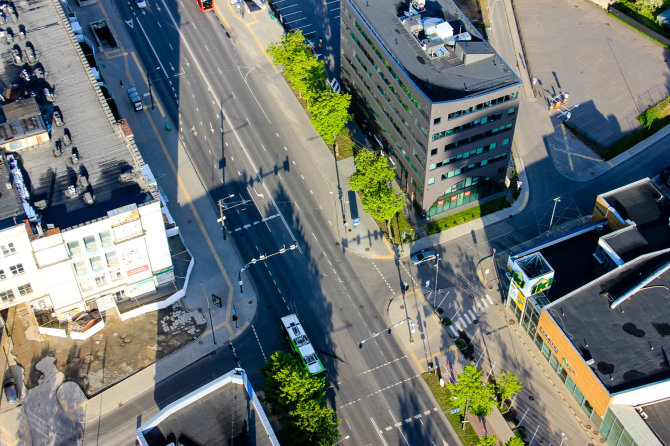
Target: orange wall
(579, 371)
(599, 212)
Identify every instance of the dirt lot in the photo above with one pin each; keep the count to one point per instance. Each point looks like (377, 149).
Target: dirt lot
(117, 351)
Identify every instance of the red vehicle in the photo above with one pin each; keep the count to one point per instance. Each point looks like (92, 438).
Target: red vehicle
(205, 5)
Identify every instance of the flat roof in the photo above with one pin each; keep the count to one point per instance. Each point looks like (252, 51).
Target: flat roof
(223, 417)
(658, 420)
(444, 78)
(101, 152)
(628, 243)
(572, 261)
(628, 342)
(642, 203)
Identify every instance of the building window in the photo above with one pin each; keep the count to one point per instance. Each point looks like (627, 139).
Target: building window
(436, 121)
(431, 181)
(91, 244)
(85, 284)
(100, 280)
(511, 111)
(505, 141)
(7, 295)
(96, 264)
(3, 276)
(74, 248)
(17, 269)
(80, 268)
(120, 295)
(8, 249)
(112, 260)
(106, 239)
(433, 152)
(25, 289)
(116, 275)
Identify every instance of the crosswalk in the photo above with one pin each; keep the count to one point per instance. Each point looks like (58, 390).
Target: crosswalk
(467, 317)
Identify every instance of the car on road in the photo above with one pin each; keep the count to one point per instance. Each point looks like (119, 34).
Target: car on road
(141, 3)
(10, 391)
(424, 255)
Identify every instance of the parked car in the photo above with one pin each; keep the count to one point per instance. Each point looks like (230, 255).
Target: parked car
(424, 255)
(10, 391)
(141, 4)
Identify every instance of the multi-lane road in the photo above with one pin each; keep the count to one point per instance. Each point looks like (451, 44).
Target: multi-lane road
(242, 141)
(240, 134)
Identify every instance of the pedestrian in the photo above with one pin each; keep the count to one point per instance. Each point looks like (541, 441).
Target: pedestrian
(121, 84)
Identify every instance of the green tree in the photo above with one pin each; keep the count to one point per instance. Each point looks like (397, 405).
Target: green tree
(648, 6)
(515, 441)
(472, 394)
(298, 400)
(330, 113)
(305, 71)
(507, 386)
(373, 179)
(488, 440)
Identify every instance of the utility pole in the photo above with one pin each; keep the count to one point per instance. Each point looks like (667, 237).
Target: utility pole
(437, 267)
(556, 201)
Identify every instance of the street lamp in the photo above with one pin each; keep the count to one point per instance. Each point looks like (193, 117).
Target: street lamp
(262, 258)
(563, 438)
(345, 438)
(225, 206)
(387, 329)
(437, 268)
(556, 201)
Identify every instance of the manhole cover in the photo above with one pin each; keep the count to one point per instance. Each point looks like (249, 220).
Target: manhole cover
(511, 321)
(402, 307)
(188, 221)
(531, 397)
(360, 306)
(251, 302)
(367, 249)
(490, 287)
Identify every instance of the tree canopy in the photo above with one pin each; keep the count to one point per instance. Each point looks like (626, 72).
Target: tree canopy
(330, 112)
(373, 179)
(298, 400)
(472, 394)
(507, 386)
(514, 441)
(488, 440)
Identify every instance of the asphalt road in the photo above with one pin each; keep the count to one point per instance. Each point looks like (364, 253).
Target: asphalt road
(207, 83)
(241, 142)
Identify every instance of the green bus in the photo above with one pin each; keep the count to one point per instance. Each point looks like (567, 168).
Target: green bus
(301, 346)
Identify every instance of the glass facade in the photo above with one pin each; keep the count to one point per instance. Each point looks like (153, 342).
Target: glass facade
(464, 192)
(614, 431)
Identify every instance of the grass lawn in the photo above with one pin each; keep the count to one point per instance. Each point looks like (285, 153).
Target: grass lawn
(467, 215)
(444, 399)
(347, 146)
(399, 224)
(647, 18)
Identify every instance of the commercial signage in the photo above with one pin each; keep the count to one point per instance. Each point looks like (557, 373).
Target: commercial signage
(548, 339)
(440, 203)
(454, 197)
(139, 269)
(467, 193)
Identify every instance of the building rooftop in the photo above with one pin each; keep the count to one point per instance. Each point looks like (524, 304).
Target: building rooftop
(622, 322)
(658, 420)
(647, 207)
(219, 413)
(460, 69)
(58, 175)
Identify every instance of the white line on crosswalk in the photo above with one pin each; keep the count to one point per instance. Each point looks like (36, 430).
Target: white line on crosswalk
(472, 315)
(489, 299)
(458, 327)
(463, 324)
(453, 331)
(467, 318)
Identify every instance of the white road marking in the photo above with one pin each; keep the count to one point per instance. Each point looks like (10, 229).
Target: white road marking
(259, 343)
(472, 315)
(378, 432)
(489, 299)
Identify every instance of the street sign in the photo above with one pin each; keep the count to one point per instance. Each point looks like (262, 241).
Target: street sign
(357, 221)
(455, 411)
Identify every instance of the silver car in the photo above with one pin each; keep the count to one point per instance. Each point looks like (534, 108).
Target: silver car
(424, 255)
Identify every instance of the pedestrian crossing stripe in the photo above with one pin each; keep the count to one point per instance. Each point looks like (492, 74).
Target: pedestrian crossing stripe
(472, 315)
(465, 315)
(453, 331)
(489, 299)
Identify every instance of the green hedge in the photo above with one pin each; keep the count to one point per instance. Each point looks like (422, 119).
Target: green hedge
(473, 213)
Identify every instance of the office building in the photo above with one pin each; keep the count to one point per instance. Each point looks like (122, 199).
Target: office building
(596, 303)
(443, 101)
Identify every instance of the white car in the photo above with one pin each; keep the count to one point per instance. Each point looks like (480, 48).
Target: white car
(424, 255)
(141, 3)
